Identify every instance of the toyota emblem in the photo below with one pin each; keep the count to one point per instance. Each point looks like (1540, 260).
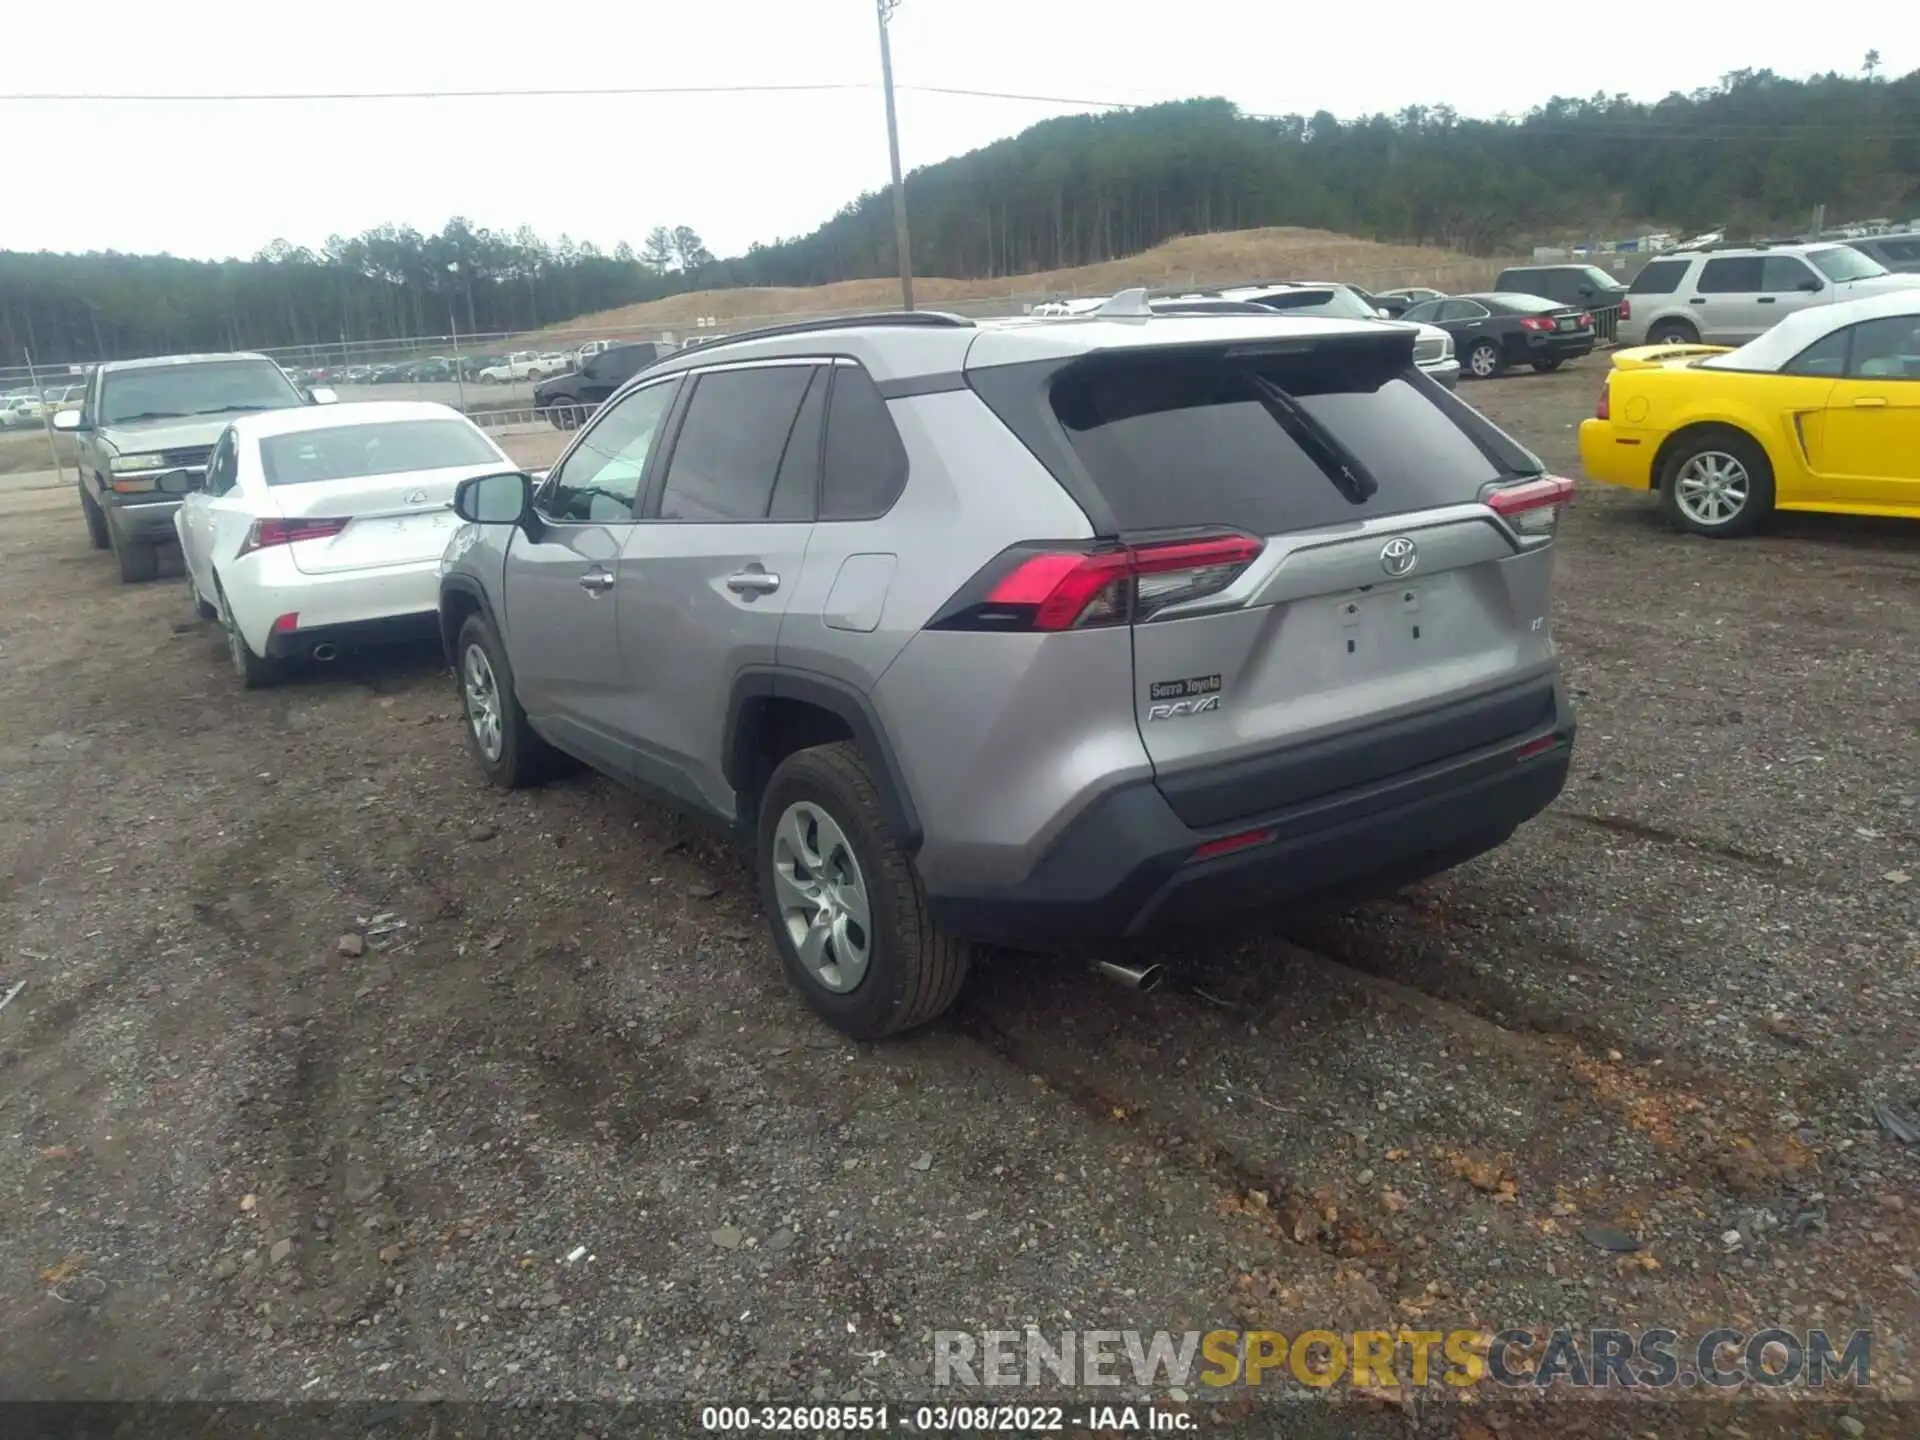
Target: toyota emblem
(419, 497)
(1398, 556)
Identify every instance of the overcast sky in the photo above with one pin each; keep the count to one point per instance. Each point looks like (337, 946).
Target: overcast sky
(216, 179)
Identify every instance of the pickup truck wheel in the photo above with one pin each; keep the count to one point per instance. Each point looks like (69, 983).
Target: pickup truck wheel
(508, 750)
(139, 560)
(487, 379)
(96, 521)
(846, 910)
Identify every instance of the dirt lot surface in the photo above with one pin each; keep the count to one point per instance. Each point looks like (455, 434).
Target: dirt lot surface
(1619, 1073)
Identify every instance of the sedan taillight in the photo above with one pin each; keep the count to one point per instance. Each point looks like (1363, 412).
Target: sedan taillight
(264, 534)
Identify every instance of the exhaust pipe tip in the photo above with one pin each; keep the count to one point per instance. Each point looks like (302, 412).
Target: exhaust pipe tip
(1142, 979)
(324, 653)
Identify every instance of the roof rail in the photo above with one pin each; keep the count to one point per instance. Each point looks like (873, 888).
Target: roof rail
(890, 319)
(1207, 305)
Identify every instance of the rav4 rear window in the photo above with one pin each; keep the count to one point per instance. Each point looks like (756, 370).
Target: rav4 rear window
(1180, 440)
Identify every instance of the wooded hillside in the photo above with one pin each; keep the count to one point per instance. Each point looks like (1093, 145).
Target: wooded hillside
(1756, 151)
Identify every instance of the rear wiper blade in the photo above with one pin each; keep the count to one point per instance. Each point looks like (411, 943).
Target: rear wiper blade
(1340, 465)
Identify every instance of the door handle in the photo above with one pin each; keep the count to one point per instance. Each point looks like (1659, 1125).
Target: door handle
(1768, 299)
(1696, 300)
(1870, 402)
(753, 582)
(599, 582)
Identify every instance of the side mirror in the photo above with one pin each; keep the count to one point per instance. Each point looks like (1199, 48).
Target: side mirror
(503, 499)
(67, 420)
(1383, 312)
(176, 482)
(1811, 285)
(321, 395)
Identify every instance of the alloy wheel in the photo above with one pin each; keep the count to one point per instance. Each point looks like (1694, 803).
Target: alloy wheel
(1712, 488)
(822, 896)
(482, 697)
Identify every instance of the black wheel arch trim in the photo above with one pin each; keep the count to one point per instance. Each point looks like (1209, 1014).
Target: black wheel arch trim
(471, 588)
(837, 698)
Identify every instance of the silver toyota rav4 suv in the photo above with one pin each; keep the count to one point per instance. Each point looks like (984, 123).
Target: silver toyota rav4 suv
(1031, 630)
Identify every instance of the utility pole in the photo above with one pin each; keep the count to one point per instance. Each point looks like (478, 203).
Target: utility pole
(885, 8)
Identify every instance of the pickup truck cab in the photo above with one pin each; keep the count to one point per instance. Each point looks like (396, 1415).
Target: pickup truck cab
(141, 419)
(522, 365)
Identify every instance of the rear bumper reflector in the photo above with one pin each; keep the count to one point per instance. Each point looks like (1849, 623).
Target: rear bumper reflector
(1228, 844)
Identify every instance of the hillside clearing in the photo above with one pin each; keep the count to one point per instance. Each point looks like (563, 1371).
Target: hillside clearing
(1269, 254)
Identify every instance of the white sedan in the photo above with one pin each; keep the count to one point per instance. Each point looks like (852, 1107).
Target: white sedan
(322, 528)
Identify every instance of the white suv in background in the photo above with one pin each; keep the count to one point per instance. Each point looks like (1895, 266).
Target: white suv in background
(1728, 294)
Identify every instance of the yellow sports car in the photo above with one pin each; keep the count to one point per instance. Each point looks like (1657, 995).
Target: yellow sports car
(1822, 412)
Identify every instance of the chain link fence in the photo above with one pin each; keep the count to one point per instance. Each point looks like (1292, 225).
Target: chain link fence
(494, 378)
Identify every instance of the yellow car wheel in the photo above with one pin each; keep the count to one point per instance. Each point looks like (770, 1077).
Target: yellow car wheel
(1717, 482)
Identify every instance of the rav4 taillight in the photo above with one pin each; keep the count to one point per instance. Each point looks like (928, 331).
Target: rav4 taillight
(263, 534)
(1061, 587)
(1531, 507)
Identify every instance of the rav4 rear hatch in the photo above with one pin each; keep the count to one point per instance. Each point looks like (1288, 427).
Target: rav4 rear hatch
(1335, 571)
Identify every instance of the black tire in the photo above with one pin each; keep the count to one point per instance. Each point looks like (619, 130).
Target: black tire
(139, 560)
(256, 672)
(96, 518)
(1692, 516)
(1484, 361)
(913, 972)
(521, 758)
(1547, 367)
(1673, 332)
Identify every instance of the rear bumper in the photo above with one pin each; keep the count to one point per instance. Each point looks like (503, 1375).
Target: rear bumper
(1559, 347)
(1126, 867)
(1616, 455)
(347, 608)
(355, 634)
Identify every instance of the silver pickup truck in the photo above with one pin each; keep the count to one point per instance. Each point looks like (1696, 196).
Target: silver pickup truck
(141, 419)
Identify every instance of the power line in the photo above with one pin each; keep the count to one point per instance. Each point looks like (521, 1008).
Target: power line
(1600, 126)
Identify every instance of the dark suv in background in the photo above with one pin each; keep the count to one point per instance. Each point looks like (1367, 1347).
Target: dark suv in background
(1587, 286)
(569, 399)
(1899, 253)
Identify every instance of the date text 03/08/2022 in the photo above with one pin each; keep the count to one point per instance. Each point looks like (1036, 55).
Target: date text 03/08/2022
(939, 1419)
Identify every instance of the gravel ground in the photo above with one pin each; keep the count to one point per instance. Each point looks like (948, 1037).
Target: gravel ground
(329, 1057)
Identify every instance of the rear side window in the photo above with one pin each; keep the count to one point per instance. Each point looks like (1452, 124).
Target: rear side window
(1177, 441)
(730, 445)
(1733, 275)
(343, 452)
(1659, 277)
(866, 462)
